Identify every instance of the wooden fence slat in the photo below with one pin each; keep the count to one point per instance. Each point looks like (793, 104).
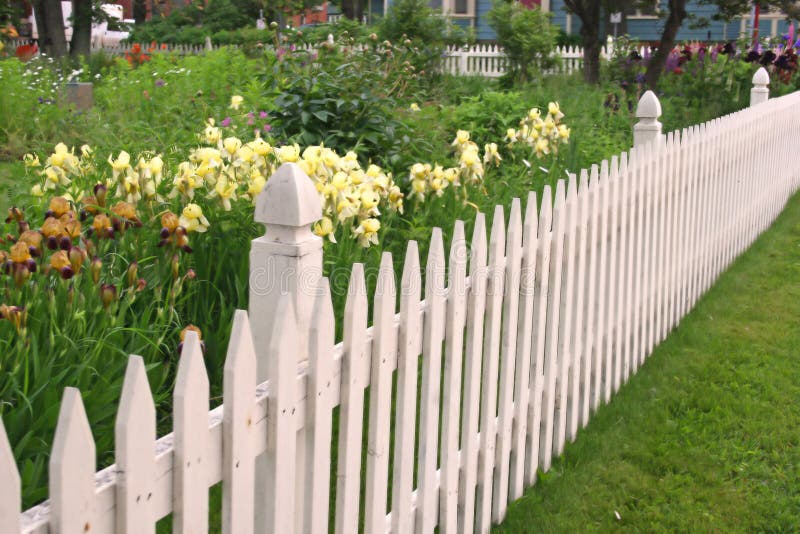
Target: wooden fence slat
(190, 427)
(430, 394)
(525, 330)
(553, 314)
(623, 275)
(592, 335)
(508, 360)
(282, 427)
(238, 471)
(491, 361)
(578, 334)
(609, 277)
(134, 439)
(384, 355)
(354, 364)
(476, 304)
(451, 395)
(541, 290)
(566, 318)
(72, 466)
(318, 437)
(10, 497)
(641, 227)
(633, 182)
(405, 416)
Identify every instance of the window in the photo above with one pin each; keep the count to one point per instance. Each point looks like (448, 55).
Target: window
(454, 7)
(646, 9)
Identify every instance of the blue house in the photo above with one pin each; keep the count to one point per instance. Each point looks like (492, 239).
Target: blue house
(644, 24)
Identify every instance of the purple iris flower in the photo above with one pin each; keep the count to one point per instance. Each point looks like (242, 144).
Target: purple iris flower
(160, 83)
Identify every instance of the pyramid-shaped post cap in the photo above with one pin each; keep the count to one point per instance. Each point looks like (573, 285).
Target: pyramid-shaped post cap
(649, 106)
(288, 199)
(761, 77)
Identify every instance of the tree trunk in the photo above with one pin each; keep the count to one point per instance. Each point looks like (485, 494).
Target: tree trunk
(50, 26)
(353, 9)
(139, 11)
(677, 14)
(81, 44)
(590, 31)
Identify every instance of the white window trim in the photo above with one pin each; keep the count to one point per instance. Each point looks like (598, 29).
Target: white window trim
(448, 8)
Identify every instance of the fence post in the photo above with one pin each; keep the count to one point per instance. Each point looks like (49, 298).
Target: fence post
(285, 261)
(759, 93)
(648, 129)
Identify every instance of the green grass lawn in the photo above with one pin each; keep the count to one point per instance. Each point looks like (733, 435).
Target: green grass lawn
(7, 184)
(705, 437)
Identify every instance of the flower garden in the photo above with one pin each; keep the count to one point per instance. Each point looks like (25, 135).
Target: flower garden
(130, 222)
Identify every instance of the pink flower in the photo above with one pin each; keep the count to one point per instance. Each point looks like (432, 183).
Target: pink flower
(226, 121)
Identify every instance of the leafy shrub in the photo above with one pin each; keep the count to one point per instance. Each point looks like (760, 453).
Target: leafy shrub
(526, 35)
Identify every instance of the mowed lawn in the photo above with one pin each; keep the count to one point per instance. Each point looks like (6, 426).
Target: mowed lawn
(706, 437)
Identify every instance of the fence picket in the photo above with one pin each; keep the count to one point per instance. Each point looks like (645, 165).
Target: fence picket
(355, 365)
(491, 357)
(508, 360)
(607, 281)
(581, 274)
(476, 304)
(553, 310)
(190, 425)
(405, 418)
(623, 275)
(541, 291)
(564, 352)
(451, 395)
(282, 427)
(633, 182)
(10, 497)
(238, 471)
(72, 465)
(592, 334)
(524, 349)
(134, 438)
(430, 396)
(384, 354)
(318, 438)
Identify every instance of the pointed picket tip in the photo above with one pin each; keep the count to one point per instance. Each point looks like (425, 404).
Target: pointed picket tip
(546, 210)
(515, 225)
(583, 186)
(623, 163)
(241, 351)
(10, 492)
(322, 314)
(136, 397)
(649, 106)
(435, 268)
(477, 256)
(531, 212)
(385, 287)
(761, 77)
(283, 338)
(289, 199)
(458, 250)
(72, 466)
(357, 288)
(497, 238)
(560, 199)
(411, 274)
(191, 367)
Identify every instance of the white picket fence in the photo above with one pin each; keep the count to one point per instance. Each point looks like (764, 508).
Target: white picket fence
(490, 60)
(120, 49)
(542, 323)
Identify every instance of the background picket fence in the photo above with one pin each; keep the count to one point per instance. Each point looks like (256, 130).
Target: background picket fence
(476, 60)
(542, 322)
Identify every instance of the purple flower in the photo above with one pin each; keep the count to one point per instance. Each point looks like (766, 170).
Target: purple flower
(250, 122)
(262, 114)
(226, 121)
(267, 127)
(250, 115)
(796, 44)
(160, 83)
(640, 78)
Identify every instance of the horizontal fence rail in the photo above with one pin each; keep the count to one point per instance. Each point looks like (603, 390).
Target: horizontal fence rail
(480, 378)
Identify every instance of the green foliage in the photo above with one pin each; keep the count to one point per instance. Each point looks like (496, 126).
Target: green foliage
(526, 35)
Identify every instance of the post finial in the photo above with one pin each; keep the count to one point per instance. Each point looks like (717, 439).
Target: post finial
(648, 129)
(759, 93)
(289, 199)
